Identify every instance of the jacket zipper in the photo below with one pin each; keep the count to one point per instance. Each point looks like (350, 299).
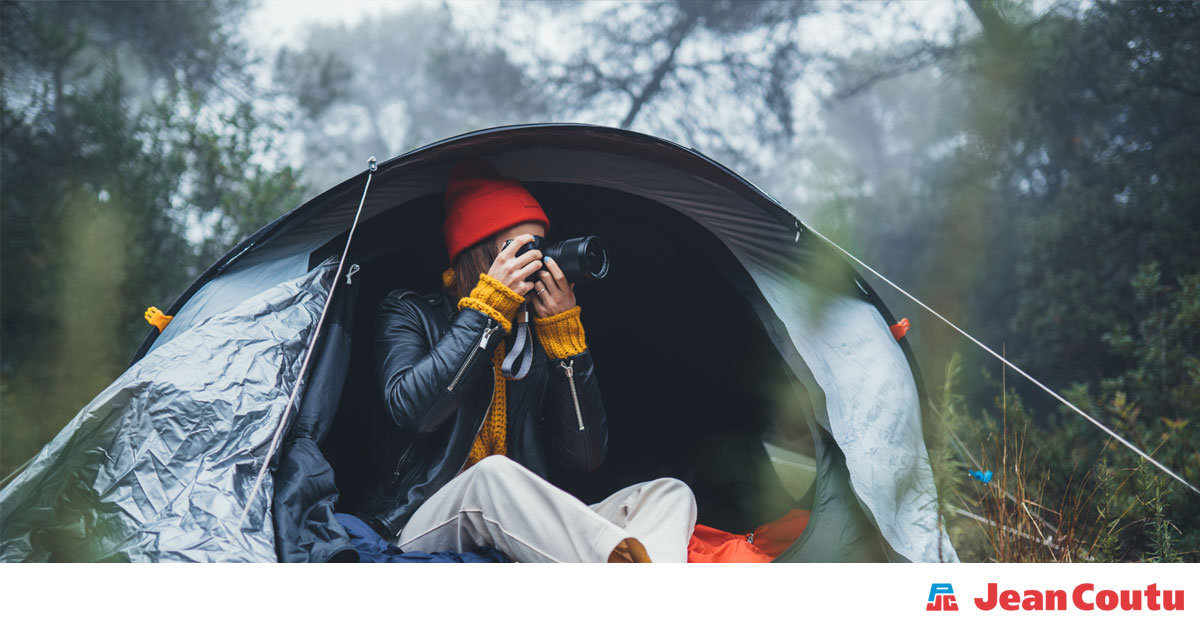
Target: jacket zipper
(570, 369)
(400, 462)
(482, 344)
(486, 412)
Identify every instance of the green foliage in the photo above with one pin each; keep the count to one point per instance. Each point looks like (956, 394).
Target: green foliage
(1109, 504)
(1098, 172)
(124, 172)
(1037, 185)
(1021, 182)
(1161, 530)
(945, 456)
(1153, 401)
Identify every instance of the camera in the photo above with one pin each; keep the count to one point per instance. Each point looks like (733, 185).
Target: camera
(581, 259)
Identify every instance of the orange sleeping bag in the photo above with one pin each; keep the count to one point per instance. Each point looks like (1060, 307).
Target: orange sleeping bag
(710, 545)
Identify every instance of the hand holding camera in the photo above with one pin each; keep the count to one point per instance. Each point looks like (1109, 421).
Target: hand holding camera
(515, 268)
(550, 269)
(581, 259)
(554, 293)
(567, 262)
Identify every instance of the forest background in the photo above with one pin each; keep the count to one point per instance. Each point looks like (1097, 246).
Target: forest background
(1028, 169)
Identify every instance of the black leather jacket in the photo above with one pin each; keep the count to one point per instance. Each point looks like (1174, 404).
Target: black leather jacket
(437, 381)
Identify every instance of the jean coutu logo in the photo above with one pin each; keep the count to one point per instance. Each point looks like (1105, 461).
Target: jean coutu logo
(941, 597)
(1084, 597)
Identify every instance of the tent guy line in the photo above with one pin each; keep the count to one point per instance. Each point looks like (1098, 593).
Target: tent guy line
(1014, 367)
(312, 343)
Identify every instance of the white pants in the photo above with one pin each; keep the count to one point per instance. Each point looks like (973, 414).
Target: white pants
(499, 503)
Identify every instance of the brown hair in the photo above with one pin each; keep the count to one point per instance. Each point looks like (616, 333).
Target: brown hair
(469, 265)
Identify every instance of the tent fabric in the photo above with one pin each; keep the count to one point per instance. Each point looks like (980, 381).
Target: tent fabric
(874, 495)
(159, 466)
(838, 530)
(306, 493)
(872, 409)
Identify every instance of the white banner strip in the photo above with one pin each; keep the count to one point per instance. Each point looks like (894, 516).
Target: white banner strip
(603, 595)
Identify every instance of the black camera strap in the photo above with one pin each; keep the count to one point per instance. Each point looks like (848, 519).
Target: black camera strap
(522, 347)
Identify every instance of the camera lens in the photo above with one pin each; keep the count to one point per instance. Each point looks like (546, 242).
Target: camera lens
(581, 259)
(594, 258)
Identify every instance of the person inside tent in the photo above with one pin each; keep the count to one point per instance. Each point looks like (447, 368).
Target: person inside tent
(462, 485)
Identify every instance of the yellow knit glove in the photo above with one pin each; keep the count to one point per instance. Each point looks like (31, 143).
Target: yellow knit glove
(562, 333)
(494, 299)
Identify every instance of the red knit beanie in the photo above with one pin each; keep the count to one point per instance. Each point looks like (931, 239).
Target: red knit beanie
(480, 203)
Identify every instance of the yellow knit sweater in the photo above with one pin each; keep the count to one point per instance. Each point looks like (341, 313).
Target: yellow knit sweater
(561, 336)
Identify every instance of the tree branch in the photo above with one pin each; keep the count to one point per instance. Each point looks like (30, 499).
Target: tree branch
(916, 60)
(675, 39)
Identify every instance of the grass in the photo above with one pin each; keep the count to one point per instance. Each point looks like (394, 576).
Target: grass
(1116, 509)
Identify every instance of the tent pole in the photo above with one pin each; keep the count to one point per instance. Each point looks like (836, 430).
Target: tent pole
(312, 343)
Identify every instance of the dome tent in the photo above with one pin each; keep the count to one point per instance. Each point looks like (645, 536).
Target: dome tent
(715, 290)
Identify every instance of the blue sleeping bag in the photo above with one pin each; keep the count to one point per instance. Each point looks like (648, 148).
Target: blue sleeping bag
(372, 548)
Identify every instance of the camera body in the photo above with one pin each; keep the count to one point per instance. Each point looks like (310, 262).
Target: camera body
(581, 259)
